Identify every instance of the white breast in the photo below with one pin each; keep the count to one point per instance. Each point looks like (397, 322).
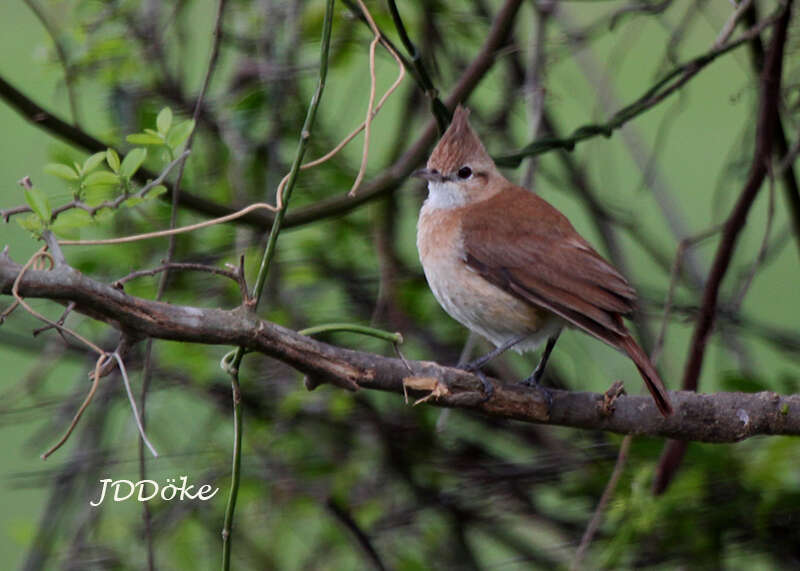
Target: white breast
(466, 296)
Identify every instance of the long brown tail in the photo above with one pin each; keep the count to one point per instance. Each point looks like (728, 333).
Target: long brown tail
(649, 374)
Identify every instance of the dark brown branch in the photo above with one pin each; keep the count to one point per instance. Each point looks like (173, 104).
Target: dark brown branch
(723, 417)
(790, 184)
(343, 516)
(765, 136)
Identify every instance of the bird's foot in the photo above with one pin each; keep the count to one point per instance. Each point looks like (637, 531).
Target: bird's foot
(534, 381)
(475, 368)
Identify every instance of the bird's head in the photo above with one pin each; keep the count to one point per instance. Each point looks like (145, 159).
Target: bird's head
(459, 170)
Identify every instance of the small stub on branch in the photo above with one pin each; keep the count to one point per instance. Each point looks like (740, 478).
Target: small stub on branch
(436, 389)
(616, 390)
(311, 382)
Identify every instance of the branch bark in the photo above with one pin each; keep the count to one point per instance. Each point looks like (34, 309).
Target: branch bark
(723, 417)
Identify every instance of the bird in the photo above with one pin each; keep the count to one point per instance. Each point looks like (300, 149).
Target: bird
(509, 266)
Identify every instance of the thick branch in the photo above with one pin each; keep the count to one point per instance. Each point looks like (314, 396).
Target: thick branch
(723, 417)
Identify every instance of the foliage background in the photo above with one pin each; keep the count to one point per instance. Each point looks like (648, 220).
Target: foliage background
(457, 490)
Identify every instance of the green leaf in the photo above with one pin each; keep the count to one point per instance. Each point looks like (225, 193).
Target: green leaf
(112, 158)
(93, 162)
(102, 178)
(31, 223)
(104, 214)
(179, 133)
(38, 202)
(96, 194)
(164, 120)
(69, 221)
(144, 139)
(132, 201)
(61, 171)
(157, 190)
(132, 161)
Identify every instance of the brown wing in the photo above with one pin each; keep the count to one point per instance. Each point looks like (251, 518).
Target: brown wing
(525, 246)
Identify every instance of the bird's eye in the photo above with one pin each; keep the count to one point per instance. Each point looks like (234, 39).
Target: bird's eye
(464, 173)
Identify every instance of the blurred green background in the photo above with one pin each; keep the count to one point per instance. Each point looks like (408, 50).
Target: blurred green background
(734, 505)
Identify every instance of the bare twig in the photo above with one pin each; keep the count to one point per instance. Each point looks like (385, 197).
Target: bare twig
(534, 82)
(42, 253)
(59, 321)
(344, 517)
(177, 266)
(132, 400)
(171, 232)
(730, 24)
(63, 58)
(736, 303)
(675, 272)
(101, 360)
(368, 121)
(608, 493)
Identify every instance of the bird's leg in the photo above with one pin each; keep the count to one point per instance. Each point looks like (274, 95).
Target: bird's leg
(473, 366)
(534, 379)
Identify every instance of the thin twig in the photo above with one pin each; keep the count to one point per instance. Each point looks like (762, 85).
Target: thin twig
(42, 253)
(346, 519)
(132, 400)
(608, 493)
(394, 338)
(368, 121)
(534, 82)
(61, 52)
(675, 272)
(730, 24)
(736, 303)
(70, 306)
(176, 266)
(438, 107)
(170, 232)
(101, 360)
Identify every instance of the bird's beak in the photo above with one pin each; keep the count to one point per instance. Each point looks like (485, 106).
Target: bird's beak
(428, 174)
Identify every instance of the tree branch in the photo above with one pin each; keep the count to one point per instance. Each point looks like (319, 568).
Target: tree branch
(790, 184)
(723, 417)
